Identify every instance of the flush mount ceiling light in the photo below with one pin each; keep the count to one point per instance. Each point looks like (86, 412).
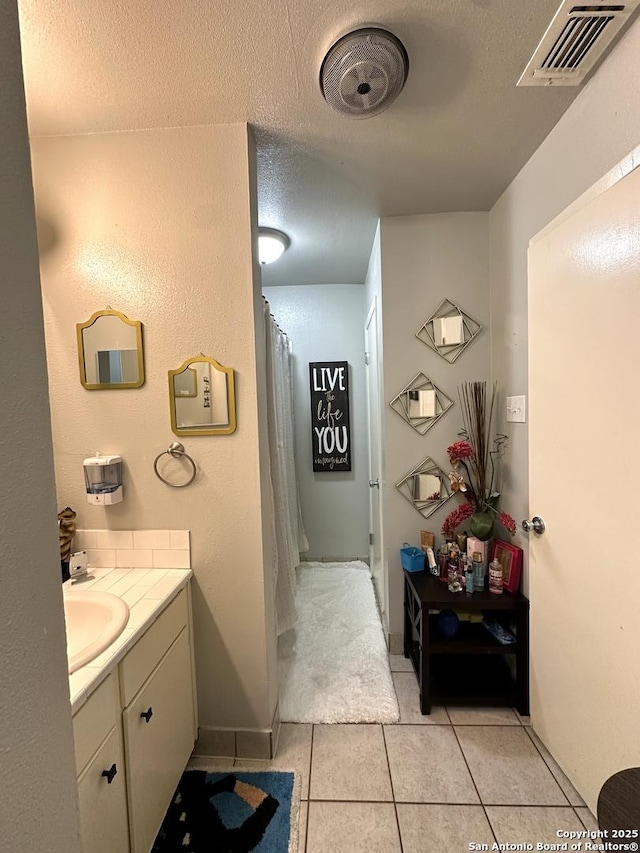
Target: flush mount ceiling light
(271, 244)
(364, 72)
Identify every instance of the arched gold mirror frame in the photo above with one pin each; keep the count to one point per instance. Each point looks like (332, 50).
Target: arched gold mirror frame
(210, 401)
(83, 353)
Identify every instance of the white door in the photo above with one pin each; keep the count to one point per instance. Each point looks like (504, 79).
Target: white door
(373, 420)
(584, 574)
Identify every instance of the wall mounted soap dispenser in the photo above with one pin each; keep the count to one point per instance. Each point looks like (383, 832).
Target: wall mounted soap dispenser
(103, 479)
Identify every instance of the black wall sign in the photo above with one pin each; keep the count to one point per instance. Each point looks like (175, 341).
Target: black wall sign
(330, 436)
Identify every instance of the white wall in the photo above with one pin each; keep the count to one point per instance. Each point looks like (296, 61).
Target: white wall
(38, 806)
(326, 323)
(597, 131)
(159, 224)
(425, 259)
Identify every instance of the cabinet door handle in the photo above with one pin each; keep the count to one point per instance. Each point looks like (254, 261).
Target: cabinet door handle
(147, 714)
(110, 774)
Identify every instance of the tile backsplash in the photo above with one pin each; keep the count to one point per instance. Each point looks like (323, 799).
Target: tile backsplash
(135, 549)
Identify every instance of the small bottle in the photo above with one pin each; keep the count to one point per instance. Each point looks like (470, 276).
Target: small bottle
(461, 539)
(454, 578)
(469, 576)
(433, 565)
(478, 572)
(495, 577)
(443, 560)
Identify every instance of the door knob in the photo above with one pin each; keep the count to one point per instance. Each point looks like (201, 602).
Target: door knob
(536, 525)
(375, 483)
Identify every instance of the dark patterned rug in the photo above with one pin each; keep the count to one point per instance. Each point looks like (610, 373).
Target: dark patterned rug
(231, 812)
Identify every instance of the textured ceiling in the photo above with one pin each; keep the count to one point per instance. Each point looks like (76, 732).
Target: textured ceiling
(453, 140)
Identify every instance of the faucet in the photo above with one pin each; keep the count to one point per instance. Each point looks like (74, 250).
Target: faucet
(78, 567)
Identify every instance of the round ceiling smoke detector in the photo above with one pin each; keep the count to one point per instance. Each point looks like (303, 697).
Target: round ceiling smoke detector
(364, 72)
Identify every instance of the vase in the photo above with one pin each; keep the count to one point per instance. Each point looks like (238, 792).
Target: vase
(481, 525)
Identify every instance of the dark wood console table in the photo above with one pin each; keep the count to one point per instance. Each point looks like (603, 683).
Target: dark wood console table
(473, 668)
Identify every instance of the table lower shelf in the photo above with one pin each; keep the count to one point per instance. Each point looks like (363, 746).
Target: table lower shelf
(472, 638)
(470, 680)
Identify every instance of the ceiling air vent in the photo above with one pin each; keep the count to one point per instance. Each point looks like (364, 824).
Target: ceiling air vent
(574, 41)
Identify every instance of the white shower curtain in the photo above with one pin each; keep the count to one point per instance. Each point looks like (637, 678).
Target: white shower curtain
(289, 536)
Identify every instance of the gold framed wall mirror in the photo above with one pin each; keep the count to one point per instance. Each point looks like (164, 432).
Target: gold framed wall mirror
(202, 397)
(110, 352)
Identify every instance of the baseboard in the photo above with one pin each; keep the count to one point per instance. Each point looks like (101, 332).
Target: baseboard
(396, 644)
(340, 558)
(276, 725)
(241, 743)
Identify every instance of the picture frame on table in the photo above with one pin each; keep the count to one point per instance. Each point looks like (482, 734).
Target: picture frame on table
(510, 558)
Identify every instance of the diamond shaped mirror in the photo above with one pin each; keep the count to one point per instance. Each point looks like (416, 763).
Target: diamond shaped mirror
(421, 403)
(426, 487)
(449, 330)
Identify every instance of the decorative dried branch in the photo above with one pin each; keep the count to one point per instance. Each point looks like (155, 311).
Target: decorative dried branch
(476, 454)
(477, 431)
(499, 442)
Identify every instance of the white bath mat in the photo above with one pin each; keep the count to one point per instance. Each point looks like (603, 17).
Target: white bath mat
(334, 667)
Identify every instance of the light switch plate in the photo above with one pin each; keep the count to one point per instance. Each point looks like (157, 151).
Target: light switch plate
(516, 409)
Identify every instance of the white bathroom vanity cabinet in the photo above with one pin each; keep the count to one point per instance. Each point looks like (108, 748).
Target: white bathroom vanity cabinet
(135, 726)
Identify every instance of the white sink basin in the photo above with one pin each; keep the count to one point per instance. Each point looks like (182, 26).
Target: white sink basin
(94, 620)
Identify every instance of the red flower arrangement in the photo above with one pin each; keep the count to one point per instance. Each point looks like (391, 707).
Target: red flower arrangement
(459, 450)
(454, 519)
(507, 522)
(473, 461)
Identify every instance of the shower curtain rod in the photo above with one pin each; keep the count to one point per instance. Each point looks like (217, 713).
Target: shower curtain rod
(264, 299)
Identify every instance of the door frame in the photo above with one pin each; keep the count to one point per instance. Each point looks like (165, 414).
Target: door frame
(373, 318)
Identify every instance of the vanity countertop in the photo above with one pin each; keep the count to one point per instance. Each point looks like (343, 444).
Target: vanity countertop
(147, 592)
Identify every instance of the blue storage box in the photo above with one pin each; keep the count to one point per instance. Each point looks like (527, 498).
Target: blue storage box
(412, 559)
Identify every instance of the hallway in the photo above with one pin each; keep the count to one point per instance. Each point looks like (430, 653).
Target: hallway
(432, 784)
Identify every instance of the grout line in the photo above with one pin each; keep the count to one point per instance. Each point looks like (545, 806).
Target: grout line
(379, 723)
(448, 803)
(526, 806)
(575, 808)
(306, 835)
(464, 758)
(393, 793)
(476, 725)
(546, 764)
(306, 831)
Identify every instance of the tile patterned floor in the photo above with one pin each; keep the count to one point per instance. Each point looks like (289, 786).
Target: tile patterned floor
(426, 785)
